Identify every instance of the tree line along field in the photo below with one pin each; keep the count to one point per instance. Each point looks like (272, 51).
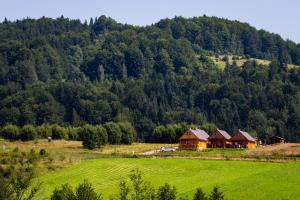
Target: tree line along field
(238, 179)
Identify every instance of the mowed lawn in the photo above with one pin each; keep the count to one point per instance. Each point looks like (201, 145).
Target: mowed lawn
(238, 179)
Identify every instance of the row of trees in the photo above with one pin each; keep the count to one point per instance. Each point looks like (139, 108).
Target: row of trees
(92, 135)
(138, 189)
(170, 133)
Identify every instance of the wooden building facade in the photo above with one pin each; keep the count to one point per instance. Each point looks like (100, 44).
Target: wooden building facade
(243, 140)
(193, 139)
(220, 139)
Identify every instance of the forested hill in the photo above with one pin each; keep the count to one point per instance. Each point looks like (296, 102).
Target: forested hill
(71, 73)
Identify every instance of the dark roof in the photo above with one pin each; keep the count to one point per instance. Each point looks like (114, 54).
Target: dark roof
(200, 134)
(224, 133)
(277, 137)
(247, 135)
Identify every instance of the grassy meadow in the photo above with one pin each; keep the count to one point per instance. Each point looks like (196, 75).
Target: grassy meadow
(238, 179)
(240, 61)
(68, 162)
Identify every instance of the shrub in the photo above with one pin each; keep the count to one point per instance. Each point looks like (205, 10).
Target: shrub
(216, 194)
(84, 191)
(199, 195)
(102, 136)
(166, 192)
(72, 133)
(44, 131)
(89, 136)
(63, 193)
(10, 132)
(43, 152)
(28, 132)
(58, 132)
(128, 132)
(114, 132)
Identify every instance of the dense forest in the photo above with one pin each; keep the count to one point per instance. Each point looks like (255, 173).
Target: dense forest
(65, 72)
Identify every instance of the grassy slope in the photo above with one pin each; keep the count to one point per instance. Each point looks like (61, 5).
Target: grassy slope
(239, 180)
(241, 61)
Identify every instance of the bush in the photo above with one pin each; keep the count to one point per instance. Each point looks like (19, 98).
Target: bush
(63, 193)
(216, 194)
(128, 132)
(114, 132)
(102, 137)
(199, 195)
(10, 132)
(89, 136)
(166, 192)
(58, 132)
(84, 191)
(44, 131)
(28, 132)
(72, 133)
(43, 152)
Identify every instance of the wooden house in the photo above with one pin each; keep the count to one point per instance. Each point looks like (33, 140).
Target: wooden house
(276, 140)
(220, 139)
(193, 139)
(243, 140)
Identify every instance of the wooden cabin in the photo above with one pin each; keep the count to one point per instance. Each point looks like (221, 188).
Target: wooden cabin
(193, 139)
(220, 139)
(243, 140)
(276, 140)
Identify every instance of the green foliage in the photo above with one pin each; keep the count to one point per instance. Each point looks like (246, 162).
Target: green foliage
(166, 192)
(141, 188)
(199, 195)
(128, 132)
(10, 132)
(59, 132)
(92, 136)
(114, 132)
(216, 194)
(62, 71)
(84, 191)
(63, 193)
(17, 174)
(28, 132)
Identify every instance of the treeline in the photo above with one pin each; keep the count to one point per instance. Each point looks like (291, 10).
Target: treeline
(62, 71)
(93, 136)
(171, 133)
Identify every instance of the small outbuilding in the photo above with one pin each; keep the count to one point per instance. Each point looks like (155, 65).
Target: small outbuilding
(243, 140)
(193, 139)
(220, 139)
(276, 140)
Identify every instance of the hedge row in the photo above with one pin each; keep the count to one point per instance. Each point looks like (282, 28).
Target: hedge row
(92, 135)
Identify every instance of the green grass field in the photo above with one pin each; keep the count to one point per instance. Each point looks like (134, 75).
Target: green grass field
(238, 179)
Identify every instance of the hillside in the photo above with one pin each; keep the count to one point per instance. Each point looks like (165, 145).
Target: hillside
(67, 72)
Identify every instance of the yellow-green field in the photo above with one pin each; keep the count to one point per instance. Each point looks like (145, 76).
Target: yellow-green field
(68, 162)
(238, 179)
(240, 61)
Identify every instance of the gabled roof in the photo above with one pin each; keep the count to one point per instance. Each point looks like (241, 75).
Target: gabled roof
(247, 136)
(198, 133)
(224, 134)
(201, 134)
